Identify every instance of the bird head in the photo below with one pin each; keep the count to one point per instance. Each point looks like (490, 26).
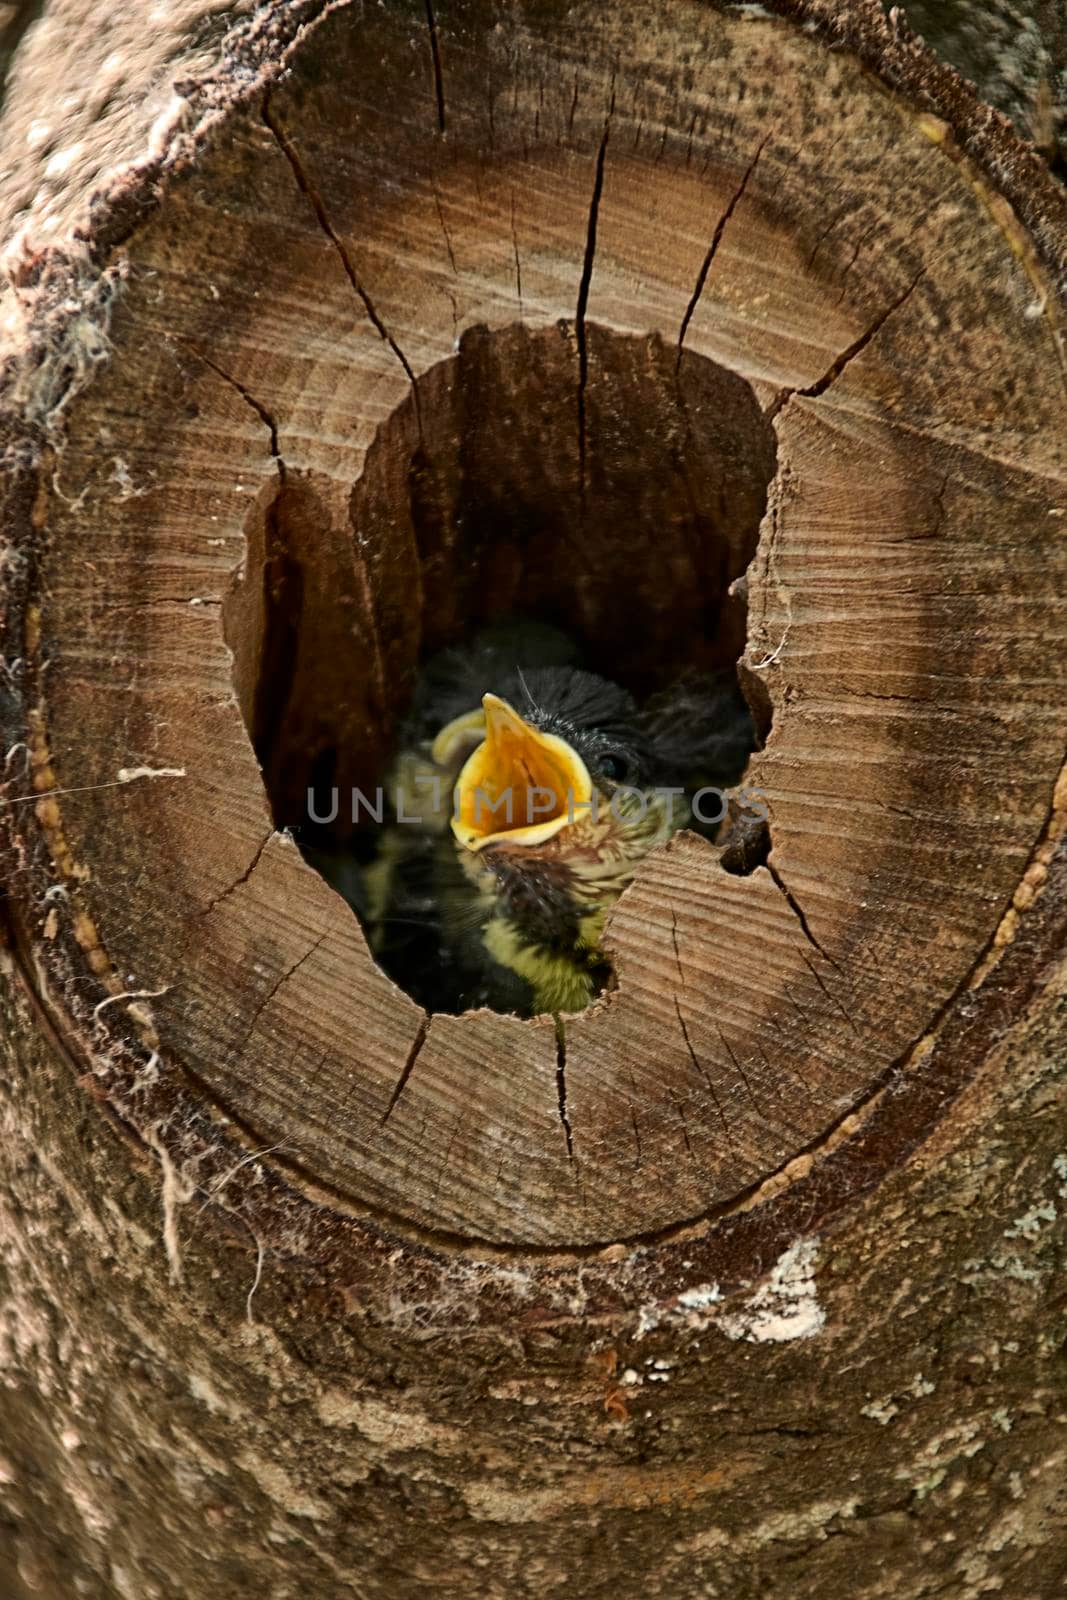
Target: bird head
(557, 804)
(521, 786)
(561, 784)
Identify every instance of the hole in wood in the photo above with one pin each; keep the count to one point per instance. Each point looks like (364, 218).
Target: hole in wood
(539, 507)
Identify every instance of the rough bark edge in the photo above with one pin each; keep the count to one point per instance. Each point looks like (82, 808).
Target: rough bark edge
(63, 291)
(893, 52)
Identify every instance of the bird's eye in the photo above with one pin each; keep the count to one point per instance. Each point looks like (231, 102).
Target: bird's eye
(614, 767)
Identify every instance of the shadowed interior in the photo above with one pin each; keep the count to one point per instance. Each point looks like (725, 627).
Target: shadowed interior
(613, 487)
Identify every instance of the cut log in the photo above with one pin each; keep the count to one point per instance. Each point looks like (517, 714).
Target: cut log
(703, 331)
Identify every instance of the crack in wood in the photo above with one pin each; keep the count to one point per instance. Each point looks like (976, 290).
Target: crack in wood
(702, 1072)
(689, 141)
(716, 240)
(742, 1074)
(788, 1058)
(794, 906)
(445, 1160)
(490, 109)
(930, 707)
(238, 882)
(771, 1071)
(677, 952)
(455, 315)
(939, 523)
(633, 1124)
(680, 1112)
(825, 233)
(833, 999)
(317, 204)
(561, 1083)
(573, 108)
(417, 1043)
(284, 979)
(438, 74)
(515, 250)
(814, 390)
(583, 288)
(854, 257)
(249, 398)
(447, 236)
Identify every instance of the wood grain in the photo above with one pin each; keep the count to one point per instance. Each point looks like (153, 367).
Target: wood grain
(634, 175)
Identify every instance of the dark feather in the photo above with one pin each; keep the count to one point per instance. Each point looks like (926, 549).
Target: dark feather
(428, 928)
(454, 681)
(699, 731)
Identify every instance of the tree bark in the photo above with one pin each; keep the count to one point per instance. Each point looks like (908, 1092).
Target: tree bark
(1015, 52)
(705, 330)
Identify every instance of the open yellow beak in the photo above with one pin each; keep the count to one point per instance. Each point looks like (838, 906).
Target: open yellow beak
(520, 784)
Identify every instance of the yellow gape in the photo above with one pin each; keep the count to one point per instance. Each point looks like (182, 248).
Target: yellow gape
(520, 784)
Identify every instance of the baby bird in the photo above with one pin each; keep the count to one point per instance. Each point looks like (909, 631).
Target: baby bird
(526, 793)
